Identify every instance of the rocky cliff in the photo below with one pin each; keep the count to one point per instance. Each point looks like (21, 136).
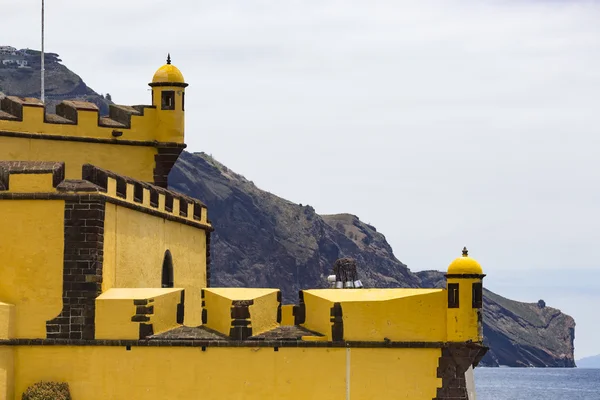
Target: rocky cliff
(520, 334)
(263, 240)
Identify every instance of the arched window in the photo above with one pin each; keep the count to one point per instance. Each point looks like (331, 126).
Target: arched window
(167, 270)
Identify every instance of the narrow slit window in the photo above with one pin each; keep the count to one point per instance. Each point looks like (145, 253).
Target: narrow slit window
(167, 270)
(183, 208)
(168, 100)
(453, 295)
(168, 202)
(183, 101)
(477, 295)
(197, 211)
(138, 193)
(121, 187)
(153, 198)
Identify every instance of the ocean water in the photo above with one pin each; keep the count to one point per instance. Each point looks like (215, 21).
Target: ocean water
(537, 384)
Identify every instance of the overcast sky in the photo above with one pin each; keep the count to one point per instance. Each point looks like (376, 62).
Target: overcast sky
(443, 123)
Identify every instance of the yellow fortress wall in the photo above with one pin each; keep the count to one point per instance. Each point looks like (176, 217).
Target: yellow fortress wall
(99, 373)
(105, 281)
(134, 161)
(136, 247)
(31, 241)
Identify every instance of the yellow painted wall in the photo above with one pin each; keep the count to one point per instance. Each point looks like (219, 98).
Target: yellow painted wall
(115, 307)
(218, 311)
(32, 247)
(376, 314)
(169, 123)
(102, 372)
(143, 128)
(378, 374)
(412, 318)
(113, 319)
(287, 315)
(463, 321)
(164, 317)
(263, 313)
(30, 183)
(318, 314)
(134, 251)
(7, 377)
(134, 161)
(7, 321)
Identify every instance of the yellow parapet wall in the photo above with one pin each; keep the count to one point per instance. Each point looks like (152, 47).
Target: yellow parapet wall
(7, 321)
(241, 312)
(400, 315)
(31, 271)
(159, 373)
(287, 315)
(134, 161)
(7, 373)
(137, 313)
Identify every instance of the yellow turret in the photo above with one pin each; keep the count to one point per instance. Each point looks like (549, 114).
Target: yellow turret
(168, 96)
(465, 299)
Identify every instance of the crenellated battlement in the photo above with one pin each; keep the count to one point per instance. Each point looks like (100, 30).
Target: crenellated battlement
(23, 176)
(45, 180)
(146, 195)
(79, 119)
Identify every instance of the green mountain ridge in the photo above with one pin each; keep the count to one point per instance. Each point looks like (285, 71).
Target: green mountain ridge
(262, 240)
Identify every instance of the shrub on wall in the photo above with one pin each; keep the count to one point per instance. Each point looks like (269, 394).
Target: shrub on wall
(47, 391)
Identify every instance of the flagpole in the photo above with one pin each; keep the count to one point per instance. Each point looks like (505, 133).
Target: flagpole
(42, 55)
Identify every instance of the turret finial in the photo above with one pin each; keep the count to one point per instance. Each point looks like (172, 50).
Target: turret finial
(169, 58)
(465, 252)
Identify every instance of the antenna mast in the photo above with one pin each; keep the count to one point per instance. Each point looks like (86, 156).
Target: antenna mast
(42, 55)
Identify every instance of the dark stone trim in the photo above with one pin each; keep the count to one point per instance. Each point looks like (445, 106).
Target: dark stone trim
(464, 276)
(204, 310)
(337, 323)
(103, 198)
(82, 269)
(181, 308)
(44, 136)
(164, 161)
(146, 330)
(299, 311)
(223, 343)
(279, 298)
(455, 360)
(240, 315)
(144, 309)
(173, 84)
(142, 314)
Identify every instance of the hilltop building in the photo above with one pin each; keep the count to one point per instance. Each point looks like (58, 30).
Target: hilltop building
(105, 281)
